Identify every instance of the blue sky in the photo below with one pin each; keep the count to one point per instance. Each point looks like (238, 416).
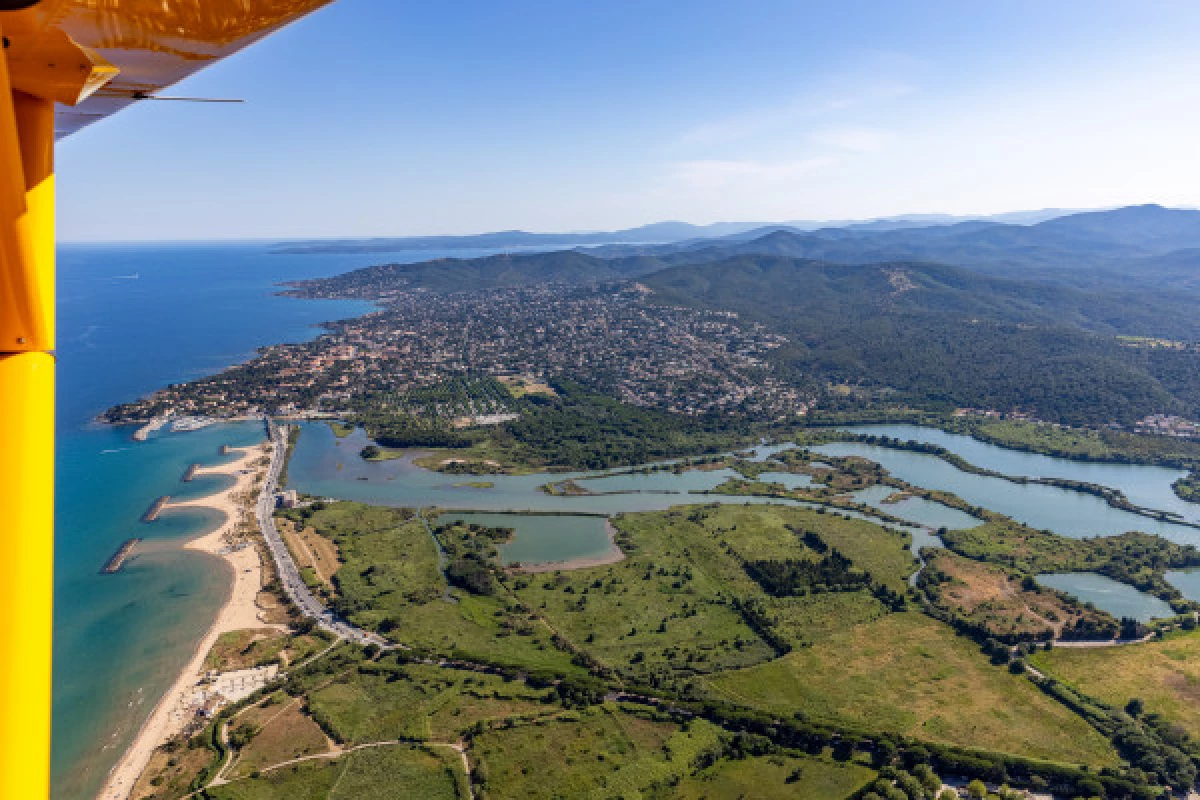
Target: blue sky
(383, 117)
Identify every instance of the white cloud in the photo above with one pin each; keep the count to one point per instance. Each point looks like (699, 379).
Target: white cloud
(852, 139)
(711, 175)
(805, 108)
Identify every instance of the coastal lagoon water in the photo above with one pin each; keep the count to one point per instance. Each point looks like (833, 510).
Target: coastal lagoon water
(1186, 581)
(544, 538)
(1108, 595)
(1063, 511)
(1143, 485)
(916, 509)
(133, 318)
(327, 466)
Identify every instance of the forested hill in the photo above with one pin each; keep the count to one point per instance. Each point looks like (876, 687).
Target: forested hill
(777, 288)
(1140, 247)
(491, 272)
(936, 336)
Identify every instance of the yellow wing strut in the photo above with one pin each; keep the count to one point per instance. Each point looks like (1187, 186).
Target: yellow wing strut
(92, 58)
(26, 438)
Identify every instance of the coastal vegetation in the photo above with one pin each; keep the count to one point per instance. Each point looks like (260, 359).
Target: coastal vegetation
(391, 771)
(909, 674)
(391, 582)
(734, 645)
(1162, 675)
(1083, 444)
(1188, 487)
(1137, 559)
(1002, 605)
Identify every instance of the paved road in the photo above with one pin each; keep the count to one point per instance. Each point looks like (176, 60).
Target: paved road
(289, 574)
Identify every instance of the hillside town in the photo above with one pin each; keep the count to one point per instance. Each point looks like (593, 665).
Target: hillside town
(676, 359)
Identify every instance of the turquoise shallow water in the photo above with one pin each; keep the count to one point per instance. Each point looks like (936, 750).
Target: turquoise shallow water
(121, 639)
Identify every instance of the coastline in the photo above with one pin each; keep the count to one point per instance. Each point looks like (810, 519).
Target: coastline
(239, 611)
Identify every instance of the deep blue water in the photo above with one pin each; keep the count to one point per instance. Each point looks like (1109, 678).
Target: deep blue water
(192, 309)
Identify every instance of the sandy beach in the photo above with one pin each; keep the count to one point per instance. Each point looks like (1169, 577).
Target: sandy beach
(240, 611)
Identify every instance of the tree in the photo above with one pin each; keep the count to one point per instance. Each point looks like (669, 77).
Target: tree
(1135, 707)
(370, 451)
(977, 790)
(885, 753)
(925, 774)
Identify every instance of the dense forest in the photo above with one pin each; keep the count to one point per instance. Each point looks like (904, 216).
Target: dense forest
(923, 336)
(582, 429)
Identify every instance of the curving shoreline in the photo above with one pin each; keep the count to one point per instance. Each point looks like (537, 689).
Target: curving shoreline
(614, 555)
(239, 610)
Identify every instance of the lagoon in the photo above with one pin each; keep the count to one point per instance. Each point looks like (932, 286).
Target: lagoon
(916, 509)
(1145, 486)
(1063, 511)
(544, 538)
(1186, 581)
(1108, 595)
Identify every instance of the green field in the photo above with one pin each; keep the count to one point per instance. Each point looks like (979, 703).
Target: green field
(277, 733)
(774, 777)
(816, 618)
(669, 607)
(421, 702)
(381, 773)
(910, 674)
(601, 752)
(1165, 675)
(665, 606)
(390, 582)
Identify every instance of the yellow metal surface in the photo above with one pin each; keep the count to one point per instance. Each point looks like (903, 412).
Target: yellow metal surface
(27, 581)
(26, 222)
(26, 438)
(95, 57)
(65, 63)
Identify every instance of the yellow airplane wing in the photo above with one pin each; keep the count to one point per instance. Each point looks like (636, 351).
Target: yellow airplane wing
(94, 57)
(64, 65)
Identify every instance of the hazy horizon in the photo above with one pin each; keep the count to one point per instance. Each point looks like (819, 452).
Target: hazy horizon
(584, 232)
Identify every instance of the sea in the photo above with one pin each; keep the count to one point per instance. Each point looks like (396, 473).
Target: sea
(133, 318)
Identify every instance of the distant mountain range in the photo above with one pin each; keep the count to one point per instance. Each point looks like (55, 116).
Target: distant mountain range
(654, 233)
(1135, 248)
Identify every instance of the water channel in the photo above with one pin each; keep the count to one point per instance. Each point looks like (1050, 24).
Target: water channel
(326, 465)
